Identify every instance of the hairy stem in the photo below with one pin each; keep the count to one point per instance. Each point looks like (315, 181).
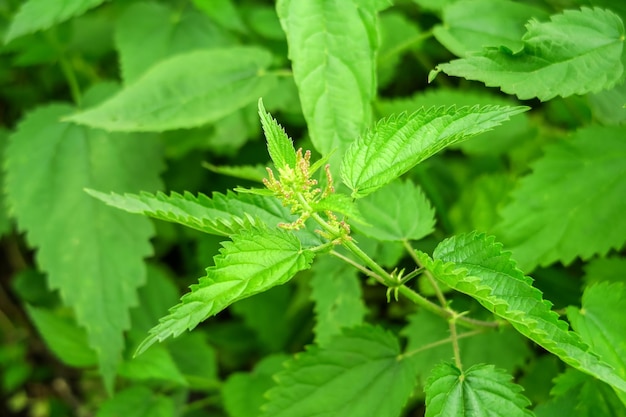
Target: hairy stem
(442, 342)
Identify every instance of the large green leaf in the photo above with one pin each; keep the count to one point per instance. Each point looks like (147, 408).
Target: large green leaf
(398, 211)
(358, 373)
(600, 322)
(256, 260)
(221, 214)
(476, 265)
(570, 205)
(336, 292)
(92, 253)
(576, 52)
(149, 32)
(36, 15)
(175, 94)
(471, 25)
(332, 46)
(398, 143)
(478, 391)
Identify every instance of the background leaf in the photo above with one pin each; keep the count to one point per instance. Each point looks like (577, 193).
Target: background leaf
(138, 401)
(476, 265)
(336, 292)
(568, 206)
(92, 254)
(396, 212)
(576, 52)
(174, 94)
(470, 25)
(36, 15)
(256, 260)
(398, 143)
(166, 32)
(599, 323)
(479, 391)
(360, 372)
(579, 395)
(332, 47)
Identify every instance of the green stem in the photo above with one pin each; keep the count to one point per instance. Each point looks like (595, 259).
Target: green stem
(66, 68)
(281, 72)
(358, 266)
(455, 342)
(429, 276)
(441, 342)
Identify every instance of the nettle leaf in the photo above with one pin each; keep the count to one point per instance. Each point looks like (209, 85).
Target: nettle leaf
(481, 390)
(279, 145)
(173, 94)
(398, 143)
(221, 214)
(256, 260)
(471, 25)
(332, 47)
(138, 401)
(149, 32)
(358, 373)
(243, 393)
(396, 212)
(93, 254)
(476, 265)
(579, 395)
(36, 15)
(555, 212)
(576, 52)
(600, 322)
(336, 292)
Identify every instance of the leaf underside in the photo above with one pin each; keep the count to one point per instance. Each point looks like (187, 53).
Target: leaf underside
(173, 94)
(476, 265)
(256, 260)
(398, 143)
(576, 52)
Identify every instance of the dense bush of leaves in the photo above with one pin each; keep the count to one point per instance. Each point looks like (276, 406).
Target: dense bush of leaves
(378, 265)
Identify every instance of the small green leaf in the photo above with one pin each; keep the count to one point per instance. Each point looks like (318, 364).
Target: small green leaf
(332, 47)
(481, 390)
(600, 322)
(476, 265)
(279, 145)
(336, 292)
(36, 15)
(223, 12)
(256, 260)
(254, 173)
(398, 211)
(397, 144)
(358, 373)
(63, 337)
(174, 94)
(339, 203)
(576, 52)
(556, 210)
(471, 25)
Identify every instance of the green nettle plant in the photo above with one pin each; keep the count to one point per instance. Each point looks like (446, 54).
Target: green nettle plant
(376, 266)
